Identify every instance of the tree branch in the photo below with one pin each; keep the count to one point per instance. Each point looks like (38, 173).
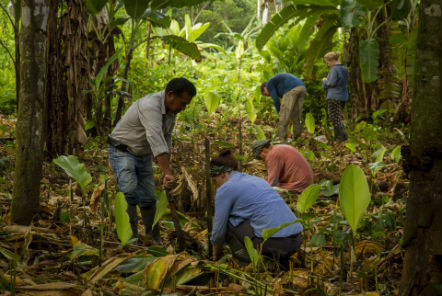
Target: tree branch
(7, 14)
(9, 52)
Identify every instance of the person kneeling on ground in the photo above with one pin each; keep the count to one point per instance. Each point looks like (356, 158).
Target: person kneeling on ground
(286, 167)
(245, 205)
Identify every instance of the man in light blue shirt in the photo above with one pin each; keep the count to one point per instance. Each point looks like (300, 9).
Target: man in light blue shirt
(246, 205)
(292, 91)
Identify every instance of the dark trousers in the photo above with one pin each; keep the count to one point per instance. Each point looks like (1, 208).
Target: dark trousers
(280, 248)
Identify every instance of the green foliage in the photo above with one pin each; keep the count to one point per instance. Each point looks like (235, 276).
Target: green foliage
(95, 6)
(74, 169)
(395, 155)
(212, 100)
(354, 195)
(268, 233)
(253, 253)
(369, 59)
(162, 206)
(308, 197)
(181, 44)
(318, 240)
(250, 109)
(124, 231)
(310, 123)
(136, 8)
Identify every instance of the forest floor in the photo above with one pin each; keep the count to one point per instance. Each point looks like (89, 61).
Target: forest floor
(72, 247)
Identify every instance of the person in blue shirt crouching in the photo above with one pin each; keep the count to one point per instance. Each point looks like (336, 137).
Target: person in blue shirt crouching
(245, 205)
(292, 91)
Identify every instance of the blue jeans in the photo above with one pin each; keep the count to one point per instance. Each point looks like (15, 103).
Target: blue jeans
(134, 176)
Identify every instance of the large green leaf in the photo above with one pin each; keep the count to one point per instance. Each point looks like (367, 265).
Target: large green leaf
(259, 133)
(162, 206)
(400, 9)
(104, 70)
(250, 109)
(395, 155)
(181, 44)
(74, 169)
(321, 43)
(95, 6)
(369, 59)
(175, 3)
(124, 231)
(310, 123)
(371, 4)
(308, 197)
(253, 253)
(278, 20)
(332, 3)
(212, 101)
(352, 13)
(354, 195)
(136, 8)
(267, 233)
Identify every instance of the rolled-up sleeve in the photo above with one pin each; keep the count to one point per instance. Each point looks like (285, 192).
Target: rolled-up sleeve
(223, 206)
(152, 120)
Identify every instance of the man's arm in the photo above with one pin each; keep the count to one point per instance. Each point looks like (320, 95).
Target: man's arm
(163, 162)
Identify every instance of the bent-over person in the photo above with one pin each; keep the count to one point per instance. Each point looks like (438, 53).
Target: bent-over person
(143, 134)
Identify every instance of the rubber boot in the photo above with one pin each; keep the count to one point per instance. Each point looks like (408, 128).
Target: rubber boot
(341, 134)
(148, 215)
(133, 219)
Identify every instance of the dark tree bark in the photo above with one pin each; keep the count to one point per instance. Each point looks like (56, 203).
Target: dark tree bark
(68, 76)
(31, 112)
(422, 268)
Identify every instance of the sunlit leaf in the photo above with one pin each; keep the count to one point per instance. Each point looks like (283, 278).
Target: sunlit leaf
(350, 146)
(375, 167)
(162, 206)
(181, 44)
(212, 101)
(268, 233)
(308, 197)
(354, 195)
(395, 155)
(253, 253)
(379, 154)
(156, 272)
(250, 109)
(310, 123)
(74, 169)
(259, 133)
(124, 231)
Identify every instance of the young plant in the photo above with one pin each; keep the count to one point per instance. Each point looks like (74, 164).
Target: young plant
(124, 231)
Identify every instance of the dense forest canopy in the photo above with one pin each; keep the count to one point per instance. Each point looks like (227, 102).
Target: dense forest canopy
(71, 70)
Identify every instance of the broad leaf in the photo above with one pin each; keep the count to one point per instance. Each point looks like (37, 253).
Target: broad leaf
(371, 4)
(321, 43)
(212, 101)
(318, 240)
(95, 6)
(308, 197)
(74, 169)
(136, 8)
(253, 253)
(250, 109)
(239, 52)
(400, 9)
(375, 167)
(104, 70)
(379, 154)
(354, 195)
(395, 155)
(277, 21)
(162, 206)
(369, 59)
(259, 133)
(124, 231)
(352, 13)
(181, 44)
(156, 272)
(310, 123)
(268, 233)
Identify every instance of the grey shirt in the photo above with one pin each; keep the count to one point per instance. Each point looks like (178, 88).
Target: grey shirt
(146, 128)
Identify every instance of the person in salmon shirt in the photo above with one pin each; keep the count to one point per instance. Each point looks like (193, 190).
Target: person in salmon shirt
(286, 167)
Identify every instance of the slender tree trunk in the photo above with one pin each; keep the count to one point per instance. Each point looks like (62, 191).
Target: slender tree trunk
(31, 112)
(422, 268)
(17, 54)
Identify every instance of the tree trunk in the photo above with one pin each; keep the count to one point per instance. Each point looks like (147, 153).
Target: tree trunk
(31, 112)
(422, 268)
(68, 74)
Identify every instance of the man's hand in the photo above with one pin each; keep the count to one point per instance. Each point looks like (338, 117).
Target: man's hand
(325, 78)
(168, 181)
(217, 252)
